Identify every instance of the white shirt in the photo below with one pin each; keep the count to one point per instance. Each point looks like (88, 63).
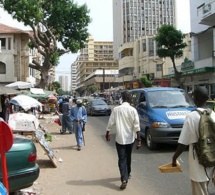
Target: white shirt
(188, 136)
(127, 123)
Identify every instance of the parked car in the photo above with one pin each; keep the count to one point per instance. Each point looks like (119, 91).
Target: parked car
(211, 104)
(162, 111)
(98, 107)
(21, 164)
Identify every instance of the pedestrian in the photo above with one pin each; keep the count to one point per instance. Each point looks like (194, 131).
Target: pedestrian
(66, 120)
(78, 116)
(127, 123)
(189, 135)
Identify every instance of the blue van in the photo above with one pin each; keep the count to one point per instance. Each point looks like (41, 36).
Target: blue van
(162, 111)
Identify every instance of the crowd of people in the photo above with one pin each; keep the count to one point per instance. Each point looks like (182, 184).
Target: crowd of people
(126, 121)
(73, 118)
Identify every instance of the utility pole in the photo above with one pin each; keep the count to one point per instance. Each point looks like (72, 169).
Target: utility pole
(103, 90)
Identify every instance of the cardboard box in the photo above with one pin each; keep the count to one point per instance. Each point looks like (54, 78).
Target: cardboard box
(168, 168)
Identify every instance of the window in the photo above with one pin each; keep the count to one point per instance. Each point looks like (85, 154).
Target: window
(9, 44)
(3, 43)
(158, 67)
(2, 68)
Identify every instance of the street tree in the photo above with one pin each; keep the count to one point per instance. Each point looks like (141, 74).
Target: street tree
(55, 86)
(81, 91)
(53, 23)
(170, 44)
(92, 89)
(145, 81)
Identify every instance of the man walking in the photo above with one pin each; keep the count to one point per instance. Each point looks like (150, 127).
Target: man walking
(189, 135)
(78, 116)
(126, 119)
(66, 121)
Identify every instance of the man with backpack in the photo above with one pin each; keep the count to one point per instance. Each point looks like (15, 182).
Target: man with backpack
(190, 136)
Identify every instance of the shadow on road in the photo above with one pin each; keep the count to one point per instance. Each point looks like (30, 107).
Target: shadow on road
(100, 182)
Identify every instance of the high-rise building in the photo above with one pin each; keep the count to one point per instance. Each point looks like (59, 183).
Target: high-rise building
(135, 18)
(74, 76)
(63, 80)
(96, 55)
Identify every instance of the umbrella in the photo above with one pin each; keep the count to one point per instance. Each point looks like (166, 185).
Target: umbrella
(25, 102)
(23, 121)
(19, 85)
(7, 91)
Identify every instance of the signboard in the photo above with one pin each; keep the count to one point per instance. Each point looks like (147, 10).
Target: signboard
(45, 145)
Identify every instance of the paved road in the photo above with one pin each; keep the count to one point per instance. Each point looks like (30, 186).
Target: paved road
(94, 171)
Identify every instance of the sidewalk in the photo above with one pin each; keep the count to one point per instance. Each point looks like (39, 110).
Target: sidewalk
(91, 171)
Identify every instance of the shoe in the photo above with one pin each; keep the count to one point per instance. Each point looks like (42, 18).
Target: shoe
(123, 185)
(79, 149)
(70, 132)
(129, 177)
(62, 132)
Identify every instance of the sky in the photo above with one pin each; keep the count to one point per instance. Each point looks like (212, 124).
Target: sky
(101, 27)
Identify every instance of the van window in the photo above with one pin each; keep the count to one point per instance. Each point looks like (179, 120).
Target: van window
(142, 98)
(169, 99)
(135, 98)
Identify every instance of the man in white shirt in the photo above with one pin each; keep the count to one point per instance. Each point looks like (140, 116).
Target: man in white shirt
(127, 123)
(189, 136)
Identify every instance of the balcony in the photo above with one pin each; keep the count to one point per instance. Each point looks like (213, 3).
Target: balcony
(126, 62)
(129, 45)
(206, 14)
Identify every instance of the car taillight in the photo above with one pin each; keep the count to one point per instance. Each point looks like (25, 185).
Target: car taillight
(32, 157)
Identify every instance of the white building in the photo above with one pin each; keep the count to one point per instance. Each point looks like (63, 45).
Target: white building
(63, 80)
(132, 19)
(202, 71)
(73, 76)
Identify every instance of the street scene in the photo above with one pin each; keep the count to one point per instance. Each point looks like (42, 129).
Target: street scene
(107, 97)
(94, 170)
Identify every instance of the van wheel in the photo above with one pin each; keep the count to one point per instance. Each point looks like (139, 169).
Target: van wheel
(149, 143)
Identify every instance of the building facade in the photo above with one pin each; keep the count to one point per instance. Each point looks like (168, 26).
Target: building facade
(63, 80)
(96, 55)
(201, 69)
(139, 58)
(135, 18)
(15, 55)
(74, 76)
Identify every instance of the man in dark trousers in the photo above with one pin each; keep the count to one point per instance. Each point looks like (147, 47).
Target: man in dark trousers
(126, 119)
(66, 120)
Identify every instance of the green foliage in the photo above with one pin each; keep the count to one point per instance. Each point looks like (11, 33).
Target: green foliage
(66, 20)
(81, 91)
(55, 58)
(56, 85)
(147, 83)
(30, 45)
(52, 22)
(92, 88)
(170, 42)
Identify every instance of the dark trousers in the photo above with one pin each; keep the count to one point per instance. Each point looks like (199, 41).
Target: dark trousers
(124, 160)
(67, 123)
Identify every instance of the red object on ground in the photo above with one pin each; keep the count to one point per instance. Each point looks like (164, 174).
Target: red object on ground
(6, 142)
(57, 120)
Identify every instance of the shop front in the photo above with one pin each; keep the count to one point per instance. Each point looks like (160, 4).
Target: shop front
(197, 77)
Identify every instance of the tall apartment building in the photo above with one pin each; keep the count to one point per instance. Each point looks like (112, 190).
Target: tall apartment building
(96, 55)
(135, 18)
(63, 80)
(74, 76)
